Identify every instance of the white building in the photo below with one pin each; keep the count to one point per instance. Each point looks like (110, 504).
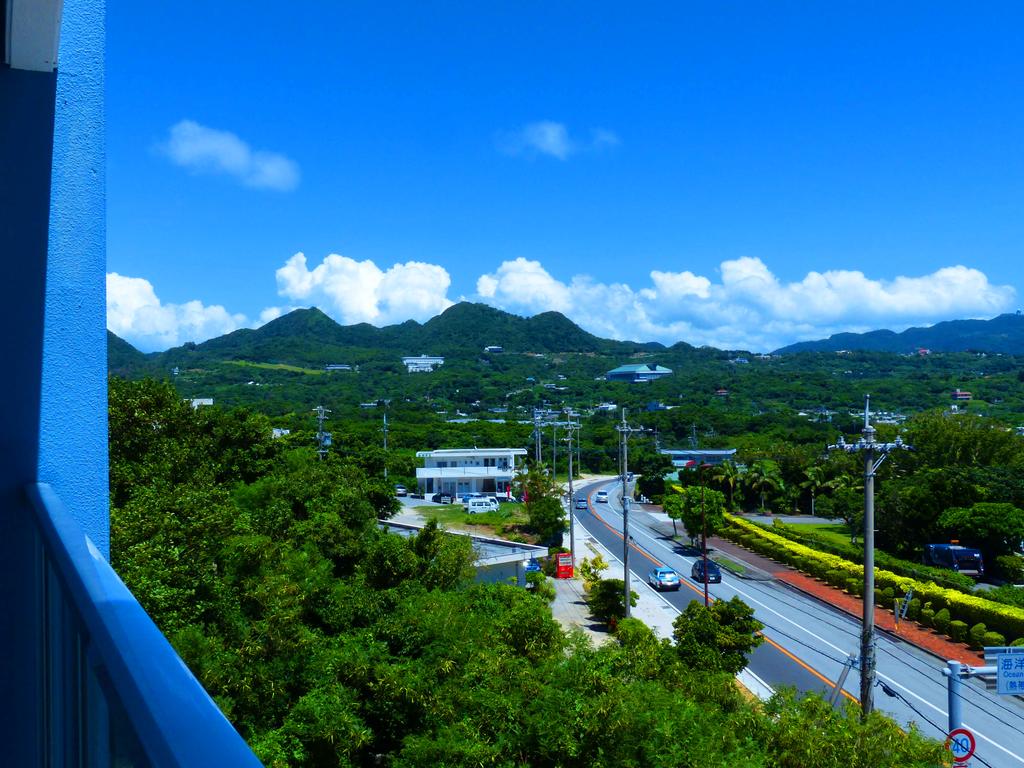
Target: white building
(422, 364)
(468, 470)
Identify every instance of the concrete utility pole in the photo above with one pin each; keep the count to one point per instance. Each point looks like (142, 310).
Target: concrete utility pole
(536, 438)
(323, 439)
(571, 428)
(871, 449)
(385, 439)
(625, 431)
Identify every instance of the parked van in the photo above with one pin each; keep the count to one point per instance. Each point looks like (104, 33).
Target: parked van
(963, 559)
(479, 505)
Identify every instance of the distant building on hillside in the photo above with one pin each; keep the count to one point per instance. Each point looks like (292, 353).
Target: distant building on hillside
(468, 470)
(277, 432)
(337, 367)
(720, 392)
(493, 349)
(422, 364)
(635, 373)
(693, 457)
(195, 402)
(959, 394)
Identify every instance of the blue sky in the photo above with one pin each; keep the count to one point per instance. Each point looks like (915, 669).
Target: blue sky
(735, 174)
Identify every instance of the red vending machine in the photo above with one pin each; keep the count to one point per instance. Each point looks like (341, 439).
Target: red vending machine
(563, 565)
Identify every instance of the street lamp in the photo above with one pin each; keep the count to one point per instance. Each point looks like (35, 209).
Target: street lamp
(871, 448)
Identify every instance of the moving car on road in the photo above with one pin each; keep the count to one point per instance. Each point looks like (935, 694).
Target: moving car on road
(663, 578)
(601, 497)
(963, 559)
(581, 503)
(714, 575)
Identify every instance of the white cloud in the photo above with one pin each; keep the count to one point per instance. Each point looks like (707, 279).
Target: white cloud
(361, 292)
(547, 137)
(749, 307)
(207, 150)
(136, 314)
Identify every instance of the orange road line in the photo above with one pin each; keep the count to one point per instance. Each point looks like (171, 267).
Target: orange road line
(700, 593)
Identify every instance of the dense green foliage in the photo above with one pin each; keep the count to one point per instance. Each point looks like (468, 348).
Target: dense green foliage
(329, 642)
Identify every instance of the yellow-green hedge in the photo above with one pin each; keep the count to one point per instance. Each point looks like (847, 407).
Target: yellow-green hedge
(971, 609)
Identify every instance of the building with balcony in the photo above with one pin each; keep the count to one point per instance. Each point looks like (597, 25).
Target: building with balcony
(422, 363)
(469, 470)
(87, 676)
(636, 373)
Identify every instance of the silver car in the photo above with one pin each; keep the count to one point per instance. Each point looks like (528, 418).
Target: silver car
(663, 578)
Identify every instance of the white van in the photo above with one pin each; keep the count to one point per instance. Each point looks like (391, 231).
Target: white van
(479, 505)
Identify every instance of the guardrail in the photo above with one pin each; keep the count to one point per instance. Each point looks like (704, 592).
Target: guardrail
(114, 690)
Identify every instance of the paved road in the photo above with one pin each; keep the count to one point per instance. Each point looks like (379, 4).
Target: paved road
(807, 641)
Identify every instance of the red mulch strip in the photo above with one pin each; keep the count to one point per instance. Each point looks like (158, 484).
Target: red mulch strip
(908, 630)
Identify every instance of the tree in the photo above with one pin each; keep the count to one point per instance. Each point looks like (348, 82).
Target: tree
(717, 638)
(702, 509)
(996, 529)
(814, 482)
(727, 476)
(763, 478)
(672, 505)
(607, 599)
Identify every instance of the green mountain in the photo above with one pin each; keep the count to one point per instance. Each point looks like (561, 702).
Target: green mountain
(1003, 334)
(309, 338)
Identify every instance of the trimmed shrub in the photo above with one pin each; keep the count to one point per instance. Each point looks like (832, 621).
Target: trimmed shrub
(976, 635)
(992, 638)
(941, 621)
(958, 631)
(879, 597)
(927, 614)
(1018, 642)
(836, 577)
(889, 594)
(854, 586)
(914, 609)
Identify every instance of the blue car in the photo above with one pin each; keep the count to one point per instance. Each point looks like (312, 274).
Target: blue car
(663, 578)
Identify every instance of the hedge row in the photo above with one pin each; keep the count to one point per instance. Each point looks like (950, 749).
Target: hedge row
(918, 571)
(988, 620)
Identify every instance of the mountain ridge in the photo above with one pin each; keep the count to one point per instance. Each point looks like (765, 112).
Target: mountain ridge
(1001, 334)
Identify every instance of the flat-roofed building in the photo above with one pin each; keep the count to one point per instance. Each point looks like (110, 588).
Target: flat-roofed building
(468, 470)
(422, 363)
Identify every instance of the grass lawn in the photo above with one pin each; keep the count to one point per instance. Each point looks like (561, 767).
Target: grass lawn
(506, 522)
(276, 367)
(836, 533)
(728, 563)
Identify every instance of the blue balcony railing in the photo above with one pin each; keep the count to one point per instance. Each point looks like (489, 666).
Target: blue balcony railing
(114, 691)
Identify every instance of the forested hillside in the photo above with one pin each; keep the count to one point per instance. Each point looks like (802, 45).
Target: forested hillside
(328, 642)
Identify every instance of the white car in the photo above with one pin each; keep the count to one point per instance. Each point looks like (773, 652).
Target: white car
(601, 497)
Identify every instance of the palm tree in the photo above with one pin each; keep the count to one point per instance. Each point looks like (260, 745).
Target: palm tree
(814, 482)
(763, 477)
(727, 476)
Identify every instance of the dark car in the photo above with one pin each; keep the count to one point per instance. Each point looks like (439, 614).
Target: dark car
(714, 572)
(963, 559)
(442, 498)
(663, 578)
(581, 503)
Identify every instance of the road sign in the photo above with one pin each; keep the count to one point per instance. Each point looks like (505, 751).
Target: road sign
(961, 744)
(1010, 670)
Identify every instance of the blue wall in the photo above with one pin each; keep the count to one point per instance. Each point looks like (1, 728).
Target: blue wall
(26, 138)
(73, 440)
(55, 415)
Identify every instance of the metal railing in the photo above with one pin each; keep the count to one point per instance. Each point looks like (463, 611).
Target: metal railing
(114, 691)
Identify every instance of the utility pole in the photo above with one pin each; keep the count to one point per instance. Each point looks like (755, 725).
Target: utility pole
(323, 439)
(385, 440)
(624, 431)
(571, 428)
(704, 534)
(554, 453)
(871, 449)
(536, 437)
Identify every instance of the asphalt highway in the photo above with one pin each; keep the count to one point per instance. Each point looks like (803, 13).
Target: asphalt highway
(807, 641)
